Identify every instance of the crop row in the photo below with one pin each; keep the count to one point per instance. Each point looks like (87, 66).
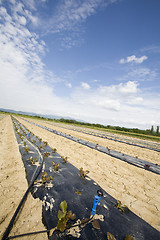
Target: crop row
(149, 166)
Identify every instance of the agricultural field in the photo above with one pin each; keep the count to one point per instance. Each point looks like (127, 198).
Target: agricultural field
(135, 187)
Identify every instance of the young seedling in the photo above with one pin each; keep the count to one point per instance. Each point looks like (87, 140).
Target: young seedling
(54, 150)
(40, 139)
(64, 217)
(45, 143)
(44, 178)
(24, 143)
(46, 154)
(56, 166)
(27, 149)
(83, 173)
(41, 147)
(64, 159)
(33, 160)
(121, 207)
(110, 236)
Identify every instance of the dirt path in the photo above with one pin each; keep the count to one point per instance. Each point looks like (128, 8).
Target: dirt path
(13, 185)
(135, 187)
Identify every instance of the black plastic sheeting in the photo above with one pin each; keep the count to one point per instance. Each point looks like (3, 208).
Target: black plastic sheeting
(143, 144)
(149, 166)
(64, 186)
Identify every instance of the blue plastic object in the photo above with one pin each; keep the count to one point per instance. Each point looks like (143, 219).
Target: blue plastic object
(29, 134)
(97, 199)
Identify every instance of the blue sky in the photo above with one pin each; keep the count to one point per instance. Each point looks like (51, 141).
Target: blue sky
(93, 60)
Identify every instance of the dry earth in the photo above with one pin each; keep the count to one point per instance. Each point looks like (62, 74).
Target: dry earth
(13, 185)
(135, 187)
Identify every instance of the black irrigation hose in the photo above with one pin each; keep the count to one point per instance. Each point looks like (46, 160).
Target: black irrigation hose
(10, 225)
(47, 231)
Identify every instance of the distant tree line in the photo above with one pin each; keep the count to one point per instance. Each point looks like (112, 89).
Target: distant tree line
(118, 128)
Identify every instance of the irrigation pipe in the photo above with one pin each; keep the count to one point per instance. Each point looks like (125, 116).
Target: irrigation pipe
(47, 231)
(35, 175)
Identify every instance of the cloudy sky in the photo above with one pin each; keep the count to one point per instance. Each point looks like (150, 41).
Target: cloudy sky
(92, 60)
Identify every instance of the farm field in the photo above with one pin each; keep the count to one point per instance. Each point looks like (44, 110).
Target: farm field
(137, 188)
(134, 187)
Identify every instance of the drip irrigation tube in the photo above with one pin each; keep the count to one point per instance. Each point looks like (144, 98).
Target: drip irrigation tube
(149, 166)
(10, 225)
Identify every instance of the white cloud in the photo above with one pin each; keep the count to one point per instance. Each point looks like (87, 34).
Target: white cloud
(69, 85)
(139, 74)
(133, 58)
(85, 85)
(27, 85)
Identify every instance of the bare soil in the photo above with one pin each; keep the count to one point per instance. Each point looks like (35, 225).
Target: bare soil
(13, 185)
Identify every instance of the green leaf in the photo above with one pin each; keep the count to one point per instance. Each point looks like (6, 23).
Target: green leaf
(61, 226)
(78, 192)
(73, 216)
(96, 224)
(61, 214)
(110, 236)
(63, 206)
(128, 237)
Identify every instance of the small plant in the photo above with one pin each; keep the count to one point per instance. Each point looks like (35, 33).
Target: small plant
(64, 216)
(54, 150)
(64, 159)
(33, 160)
(33, 141)
(46, 154)
(41, 147)
(40, 139)
(24, 143)
(147, 166)
(83, 173)
(78, 192)
(121, 207)
(27, 149)
(110, 236)
(56, 166)
(45, 143)
(44, 178)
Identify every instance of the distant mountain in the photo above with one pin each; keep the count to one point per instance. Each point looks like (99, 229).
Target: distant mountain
(35, 114)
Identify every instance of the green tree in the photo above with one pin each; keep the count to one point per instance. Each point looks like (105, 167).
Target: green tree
(152, 129)
(157, 131)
